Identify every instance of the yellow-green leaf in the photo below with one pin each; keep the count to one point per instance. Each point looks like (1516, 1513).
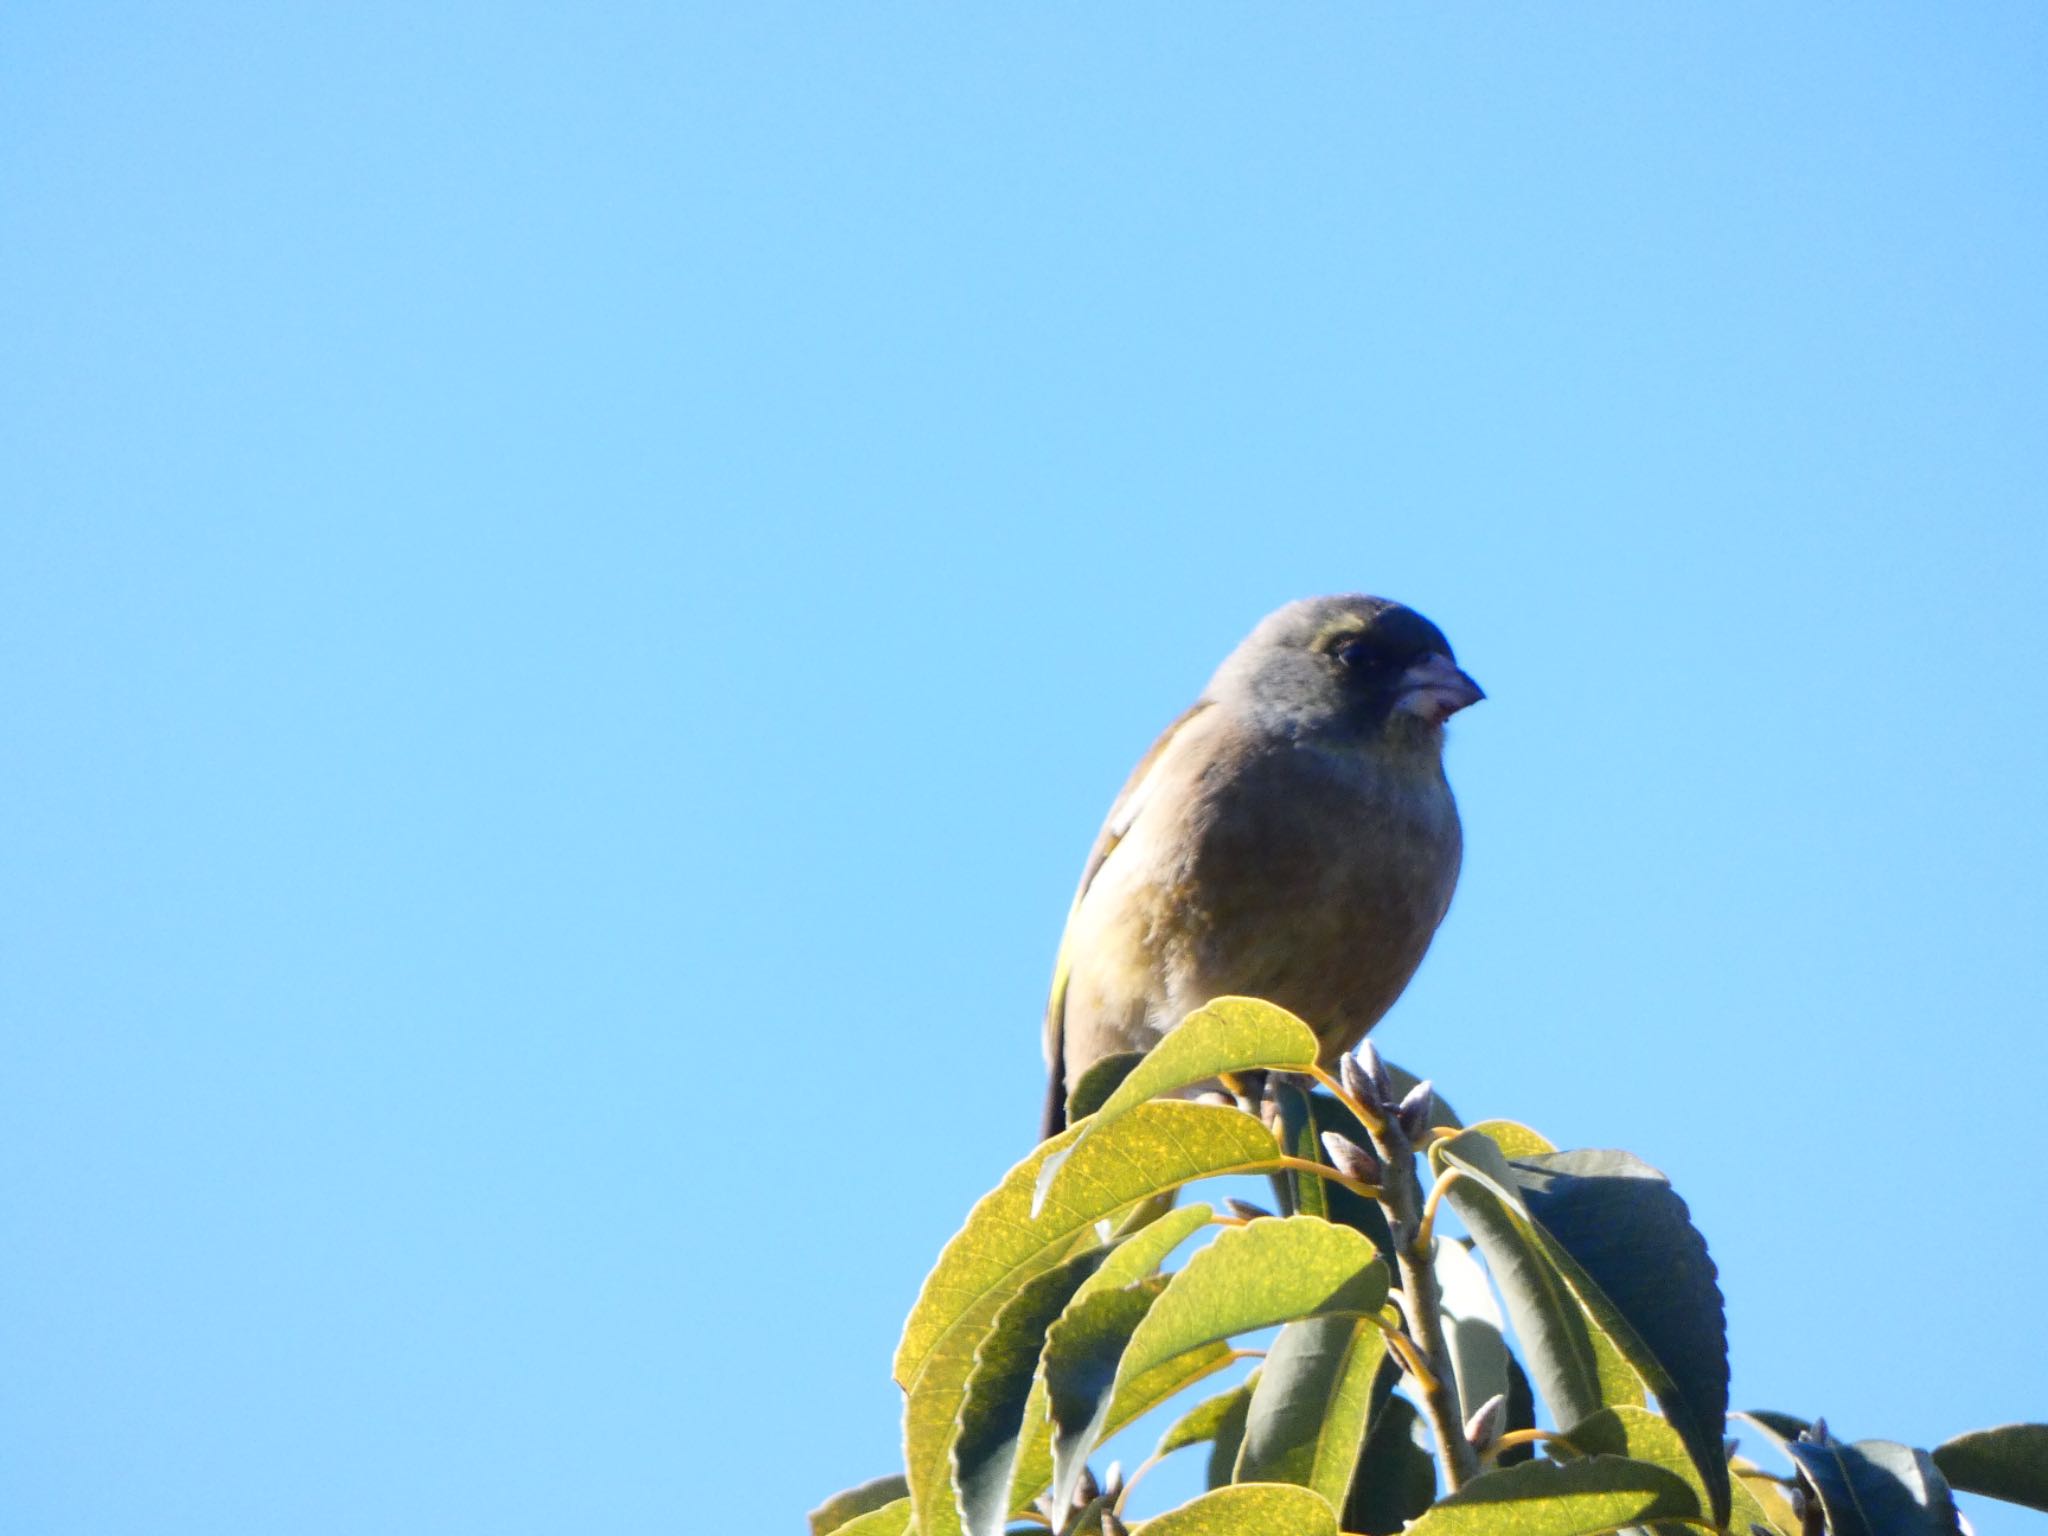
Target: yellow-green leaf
(1545, 1498)
(1231, 1034)
(1248, 1509)
(1156, 1147)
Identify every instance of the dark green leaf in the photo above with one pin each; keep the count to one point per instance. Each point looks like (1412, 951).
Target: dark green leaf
(1779, 1426)
(1521, 1414)
(1572, 1362)
(1307, 1419)
(2009, 1462)
(1546, 1498)
(992, 1417)
(842, 1507)
(1131, 1260)
(1294, 1128)
(1100, 1081)
(1157, 1147)
(1082, 1354)
(1248, 1509)
(1876, 1488)
(1396, 1476)
(1631, 1235)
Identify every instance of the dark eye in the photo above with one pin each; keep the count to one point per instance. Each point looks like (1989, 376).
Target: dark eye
(1360, 654)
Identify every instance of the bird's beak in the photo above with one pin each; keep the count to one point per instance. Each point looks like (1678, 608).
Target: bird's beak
(1435, 689)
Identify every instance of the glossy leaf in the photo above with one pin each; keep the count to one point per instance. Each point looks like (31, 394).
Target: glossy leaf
(1247, 1509)
(1230, 1034)
(1619, 1243)
(2009, 1462)
(1653, 1288)
(1307, 1418)
(842, 1507)
(1156, 1147)
(1547, 1498)
(1574, 1366)
(1396, 1476)
(1876, 1488)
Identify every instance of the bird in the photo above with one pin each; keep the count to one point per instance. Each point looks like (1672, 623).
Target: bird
(1290, 837)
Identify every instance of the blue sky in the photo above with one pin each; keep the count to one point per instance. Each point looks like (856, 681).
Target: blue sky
(575, 583)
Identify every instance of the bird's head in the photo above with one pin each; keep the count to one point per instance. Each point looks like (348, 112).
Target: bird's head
(1350, 669)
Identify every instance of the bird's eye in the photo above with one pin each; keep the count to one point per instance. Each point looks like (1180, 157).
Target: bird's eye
(1359, 654)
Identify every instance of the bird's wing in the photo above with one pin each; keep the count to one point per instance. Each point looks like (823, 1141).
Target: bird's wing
(1123, 812)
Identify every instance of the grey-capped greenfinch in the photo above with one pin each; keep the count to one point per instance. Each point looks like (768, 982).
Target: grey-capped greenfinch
(1291, 837)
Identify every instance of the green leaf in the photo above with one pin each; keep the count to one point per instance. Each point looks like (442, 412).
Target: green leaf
(1082, 1354)
(1154, 1148)
(1005, 1366)
(1547, 1498)
(842, 1507)
(1132, 1260)
(1230, 1034)
(1307, 1418)
(1472, 1325)
(1272, 1271)
(1099, 1082)
(2009, 1462)
(1513, 1138)
(1201, 1422)
(1781, 1427)
(1639, 1435)
(1247, 1509)
(1574, 1365)
(892, 1519)
(1294, 1128)
(1275, 1270)
(1651, 1285)
(1229, 1438)
(1876, 1488)
(1396, 1477)
(1602, 1235)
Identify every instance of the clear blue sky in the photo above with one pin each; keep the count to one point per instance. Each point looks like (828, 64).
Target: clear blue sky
(574, 584)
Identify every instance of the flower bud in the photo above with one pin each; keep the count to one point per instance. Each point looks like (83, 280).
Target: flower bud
(1244, 1210)
(1414, 1111)
(1483, 1428)
(1350, 1159)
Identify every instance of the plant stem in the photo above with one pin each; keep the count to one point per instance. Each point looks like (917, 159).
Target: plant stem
(1401, 1197)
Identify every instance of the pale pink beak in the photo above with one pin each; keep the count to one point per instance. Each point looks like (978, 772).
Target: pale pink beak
(1435, 689)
